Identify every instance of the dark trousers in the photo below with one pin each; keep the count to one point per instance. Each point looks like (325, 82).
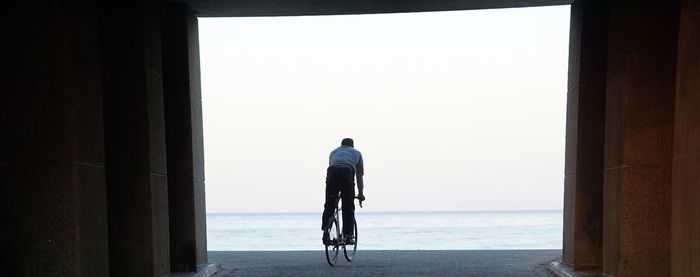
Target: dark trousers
(340, 179)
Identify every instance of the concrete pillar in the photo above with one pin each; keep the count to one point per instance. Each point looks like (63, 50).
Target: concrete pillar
(139, 243)
(585, 126)
(685, 215)
(639, 137)
(183, 122)
(52, 178)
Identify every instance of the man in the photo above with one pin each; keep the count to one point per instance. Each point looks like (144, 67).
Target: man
(344, 164)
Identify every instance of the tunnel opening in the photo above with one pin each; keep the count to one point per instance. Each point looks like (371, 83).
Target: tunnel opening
(459, 123)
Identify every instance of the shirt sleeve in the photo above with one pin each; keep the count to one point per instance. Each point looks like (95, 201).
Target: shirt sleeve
(360, 167)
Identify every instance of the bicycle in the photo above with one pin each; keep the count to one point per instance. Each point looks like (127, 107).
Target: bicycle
(336, 239)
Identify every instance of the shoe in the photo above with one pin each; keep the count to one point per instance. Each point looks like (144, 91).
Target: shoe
(349, 240)
(326, 238)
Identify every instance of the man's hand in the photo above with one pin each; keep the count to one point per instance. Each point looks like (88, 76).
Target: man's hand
(361, 197)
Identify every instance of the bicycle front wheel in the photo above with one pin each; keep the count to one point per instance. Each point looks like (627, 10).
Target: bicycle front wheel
(350, 250)
(333, 244)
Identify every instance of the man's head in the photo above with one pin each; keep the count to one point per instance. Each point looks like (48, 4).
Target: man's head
(347, 142)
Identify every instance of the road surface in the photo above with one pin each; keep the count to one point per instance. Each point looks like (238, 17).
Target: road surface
(387, 263)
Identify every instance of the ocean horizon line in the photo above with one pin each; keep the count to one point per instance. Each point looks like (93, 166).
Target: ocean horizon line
(389, 212)
(397, 230)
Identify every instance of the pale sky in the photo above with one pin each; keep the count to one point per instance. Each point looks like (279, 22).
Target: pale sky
(459, 110)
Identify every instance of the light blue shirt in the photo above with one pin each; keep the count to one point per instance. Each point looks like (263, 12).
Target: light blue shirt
(347, 155)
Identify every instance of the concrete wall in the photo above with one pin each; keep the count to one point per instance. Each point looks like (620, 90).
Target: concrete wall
(649, 188)
(135, 139)
(52, 178)
(585, 126)
(83, 162)
(185, 150)
(685, 216)
(639, 137)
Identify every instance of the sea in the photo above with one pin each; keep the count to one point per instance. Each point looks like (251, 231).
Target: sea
(458, 230)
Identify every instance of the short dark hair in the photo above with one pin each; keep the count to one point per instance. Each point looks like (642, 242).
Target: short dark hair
(348, 142)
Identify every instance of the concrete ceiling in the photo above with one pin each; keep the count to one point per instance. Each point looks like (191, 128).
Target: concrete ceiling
(237, 8)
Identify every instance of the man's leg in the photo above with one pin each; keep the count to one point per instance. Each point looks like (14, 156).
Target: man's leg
(332, 189)
(348, 191)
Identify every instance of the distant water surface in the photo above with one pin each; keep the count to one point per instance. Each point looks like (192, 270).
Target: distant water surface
(391, 231)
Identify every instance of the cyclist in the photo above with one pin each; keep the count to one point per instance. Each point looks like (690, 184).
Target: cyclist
(345, 163)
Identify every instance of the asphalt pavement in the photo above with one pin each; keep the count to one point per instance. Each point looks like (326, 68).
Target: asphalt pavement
(387, 263)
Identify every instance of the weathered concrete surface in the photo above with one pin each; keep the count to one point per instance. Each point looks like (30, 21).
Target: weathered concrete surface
(52, 178)
(585, 126)
(387, 263)
(184, 144)
(685, 218)
(639, 137)
(137, 192)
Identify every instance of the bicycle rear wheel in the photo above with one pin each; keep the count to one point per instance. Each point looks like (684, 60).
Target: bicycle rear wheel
(350, 253)
(333, 245)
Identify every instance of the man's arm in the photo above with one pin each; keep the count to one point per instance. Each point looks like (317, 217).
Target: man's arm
(360, 184)
(360, 172)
